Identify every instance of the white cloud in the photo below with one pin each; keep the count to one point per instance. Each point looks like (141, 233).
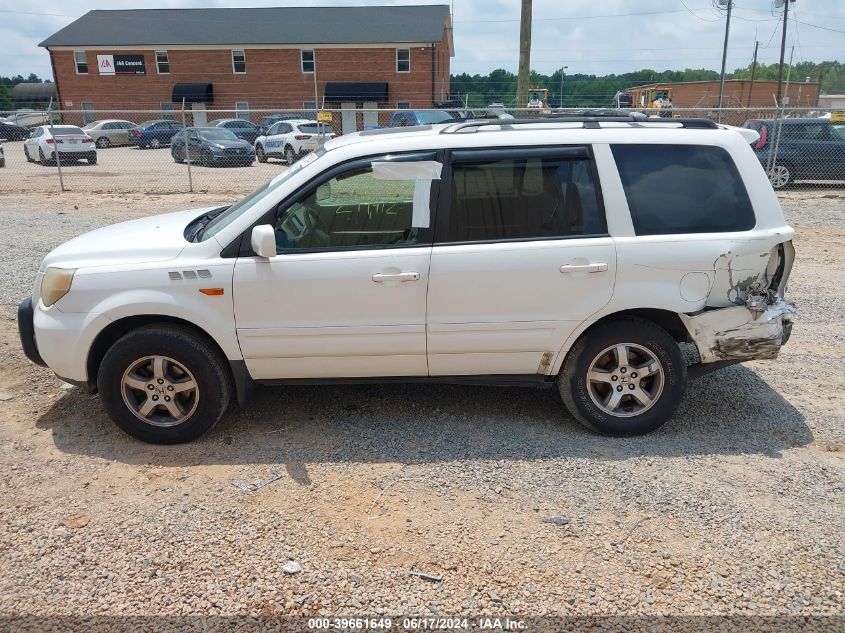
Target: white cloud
(662, 35)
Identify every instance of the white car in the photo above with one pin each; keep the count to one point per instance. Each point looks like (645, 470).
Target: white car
(575, 253)
(71, 142)
(291, 139)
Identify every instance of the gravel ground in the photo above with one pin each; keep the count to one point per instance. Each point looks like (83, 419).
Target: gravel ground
(735, 507)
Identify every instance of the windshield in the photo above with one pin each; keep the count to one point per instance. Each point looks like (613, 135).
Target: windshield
(433, 117)
(66, 131)
(239, 208)
(217, 134)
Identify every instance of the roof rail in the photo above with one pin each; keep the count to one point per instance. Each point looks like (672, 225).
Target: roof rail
(588, 118)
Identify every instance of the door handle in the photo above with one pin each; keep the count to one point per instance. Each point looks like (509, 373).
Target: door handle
(584, 268)
(380, 278)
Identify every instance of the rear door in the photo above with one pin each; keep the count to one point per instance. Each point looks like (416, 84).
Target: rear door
(521, 258)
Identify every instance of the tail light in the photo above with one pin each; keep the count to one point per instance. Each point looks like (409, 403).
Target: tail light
(135, 132)
(88, 139)
(302, 137)
(764, 137)
(50, 141)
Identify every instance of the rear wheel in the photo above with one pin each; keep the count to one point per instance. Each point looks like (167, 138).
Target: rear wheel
(155, 143)
(624, 377)
(103, 142)
(290, 155)
(781, 176)
(164, 384)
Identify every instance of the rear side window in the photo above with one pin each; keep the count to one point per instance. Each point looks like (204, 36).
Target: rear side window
(683, 189)
(523, 198)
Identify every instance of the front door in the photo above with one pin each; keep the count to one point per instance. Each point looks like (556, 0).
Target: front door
(348, 118)
(346, 294)
(521, 259)
(200, 116)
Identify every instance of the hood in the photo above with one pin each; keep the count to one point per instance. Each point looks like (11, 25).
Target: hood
(154, 239)
(231, 143)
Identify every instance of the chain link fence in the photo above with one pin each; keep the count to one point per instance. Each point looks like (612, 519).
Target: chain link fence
(150, 151)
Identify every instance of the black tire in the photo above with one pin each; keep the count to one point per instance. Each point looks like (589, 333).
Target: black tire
(103, 142)
(41, 158)
(259, 153)
(290, 155)
(29, 159)
(575, 390)
(92, 160)
(193, 351)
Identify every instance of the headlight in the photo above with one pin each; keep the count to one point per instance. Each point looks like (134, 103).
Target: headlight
(55, 284)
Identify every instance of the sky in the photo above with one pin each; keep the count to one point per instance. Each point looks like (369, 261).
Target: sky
(588, 36)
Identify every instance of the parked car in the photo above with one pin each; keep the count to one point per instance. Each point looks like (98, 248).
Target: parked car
(808, 149)
(68, 143)
(211, 146)
(153, 134)
(12, 132)
(2, 156)
(405, 118)
(247, 130)
(109, 132)
(550, 254)
(267, 121)
(291, 139)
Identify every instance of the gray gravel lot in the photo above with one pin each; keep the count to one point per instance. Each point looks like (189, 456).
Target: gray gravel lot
(734, 507)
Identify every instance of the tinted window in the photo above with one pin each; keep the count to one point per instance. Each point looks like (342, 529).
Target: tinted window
(682, 189)
(352, 210)
(524, 198)
(67, 131)
(314, 128)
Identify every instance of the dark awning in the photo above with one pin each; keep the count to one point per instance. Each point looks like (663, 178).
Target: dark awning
(337, 91)
(193, 93)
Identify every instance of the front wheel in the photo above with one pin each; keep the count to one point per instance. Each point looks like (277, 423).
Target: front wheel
(624, 377)
(259, 154)
(164, 384)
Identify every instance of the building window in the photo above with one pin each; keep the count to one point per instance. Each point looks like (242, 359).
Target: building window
(403, 60)
(239, 62)
(81, 62)
(309, 106)
(403, 105)
(241, 110)
(162, 63)
(166, 110)
(307, 61)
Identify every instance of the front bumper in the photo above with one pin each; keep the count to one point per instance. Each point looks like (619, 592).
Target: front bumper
(26, 329)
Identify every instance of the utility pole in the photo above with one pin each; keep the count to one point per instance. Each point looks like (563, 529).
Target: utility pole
(562, 73)
(753, 72)
(782, 49)
(524, 75)
(724, 56)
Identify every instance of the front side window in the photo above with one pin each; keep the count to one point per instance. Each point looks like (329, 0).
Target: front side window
(307, 58)
(162, 63)
(81, 62)
(376, 206)
(683, 189)
(531, 197)
(239, 62)
(403, 60)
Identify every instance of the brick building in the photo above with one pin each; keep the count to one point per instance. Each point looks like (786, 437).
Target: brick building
(254, 58)
(739, 93)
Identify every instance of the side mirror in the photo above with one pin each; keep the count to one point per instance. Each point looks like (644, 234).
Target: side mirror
(263, 240)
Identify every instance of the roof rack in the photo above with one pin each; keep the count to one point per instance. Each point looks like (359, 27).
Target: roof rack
(590, 119)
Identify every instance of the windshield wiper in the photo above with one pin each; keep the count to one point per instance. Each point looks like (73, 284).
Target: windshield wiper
(196, 228)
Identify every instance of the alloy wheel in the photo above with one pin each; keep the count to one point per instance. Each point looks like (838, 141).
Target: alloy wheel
(625, 379)
(160, 391)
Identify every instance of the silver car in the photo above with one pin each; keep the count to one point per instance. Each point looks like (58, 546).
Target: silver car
(109, 132)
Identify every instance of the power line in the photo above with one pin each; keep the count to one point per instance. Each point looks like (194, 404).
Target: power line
(695, 14)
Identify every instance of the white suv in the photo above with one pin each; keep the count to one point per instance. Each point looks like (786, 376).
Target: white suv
(290, 139)
(574, 252)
